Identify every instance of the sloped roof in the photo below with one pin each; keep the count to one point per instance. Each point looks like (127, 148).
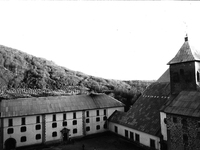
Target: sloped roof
(44, 105)
(187, 103)
(186, 54)
(144, 115)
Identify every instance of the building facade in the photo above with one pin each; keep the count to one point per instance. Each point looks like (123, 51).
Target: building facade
(29, 121)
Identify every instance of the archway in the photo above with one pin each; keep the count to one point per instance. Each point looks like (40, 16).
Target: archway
(10, 144)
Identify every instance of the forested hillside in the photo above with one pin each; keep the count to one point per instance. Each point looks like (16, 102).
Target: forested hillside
(19, 70)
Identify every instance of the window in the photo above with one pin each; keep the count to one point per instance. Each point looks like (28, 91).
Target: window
(74, 115)
(116, 129)
(184, 123)
(23, 139)
(54, 117)
(182, 72)
(64, 117)
(64, 123)
(54, 125)
(97, 119)
(10, 130)
(98, 127)
(38, 136)
(54, 134)
(165, 120)
(131, 136)
(10, 122)
(104, 118)
(185, 139)
(74, 122)
(87, 128)
(87, 120)
(97, 112)
(198, 124)
(137, 137)
(126, 133)
(23, 121)
(152, 143)
(38, 127)
(174, 119)
(175, 77)
(23, 129)
(198, 76)
(87, 114)
(188, 76)
(104, 112)
(74, 131)
(105, 126)
(38, 119)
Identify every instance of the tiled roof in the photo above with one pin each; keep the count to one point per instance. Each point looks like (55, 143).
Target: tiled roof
(186, 54)
(144, 115)
(43, 105)
(187, 103)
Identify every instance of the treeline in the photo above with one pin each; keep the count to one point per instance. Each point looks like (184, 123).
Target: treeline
(21, 70)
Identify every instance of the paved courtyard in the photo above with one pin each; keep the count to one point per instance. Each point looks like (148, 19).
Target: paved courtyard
(106, 141)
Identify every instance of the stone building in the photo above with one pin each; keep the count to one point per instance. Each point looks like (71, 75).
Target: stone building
(37, 120)
(180, 117)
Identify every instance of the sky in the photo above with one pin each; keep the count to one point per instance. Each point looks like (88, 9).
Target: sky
(124, 40)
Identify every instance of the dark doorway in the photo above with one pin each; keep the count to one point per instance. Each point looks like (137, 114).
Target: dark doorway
(10, 144)
(65, 137)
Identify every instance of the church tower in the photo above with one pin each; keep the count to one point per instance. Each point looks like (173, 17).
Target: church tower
(185, 69)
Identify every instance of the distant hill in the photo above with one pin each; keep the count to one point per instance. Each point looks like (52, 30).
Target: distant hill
(21, 71)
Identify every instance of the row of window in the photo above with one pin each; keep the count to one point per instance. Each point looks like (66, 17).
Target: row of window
(54, 134)
(97, 113)
(97, 127)
(186, 75)
(23, 129)
(23, 121)
(24, 139)
(130, 135)
(54, 125)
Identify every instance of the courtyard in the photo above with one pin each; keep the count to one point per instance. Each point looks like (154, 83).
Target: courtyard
(106, 141)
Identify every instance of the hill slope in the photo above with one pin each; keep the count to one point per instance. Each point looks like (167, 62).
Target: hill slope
(19, 70)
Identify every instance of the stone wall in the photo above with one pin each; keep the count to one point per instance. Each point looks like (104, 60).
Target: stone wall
(183, 132)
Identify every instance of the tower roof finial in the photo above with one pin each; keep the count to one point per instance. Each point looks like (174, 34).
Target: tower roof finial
(186, 38)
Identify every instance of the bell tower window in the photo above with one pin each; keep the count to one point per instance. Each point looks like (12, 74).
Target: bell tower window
(198, 76)
(175, 77)
(181, 72)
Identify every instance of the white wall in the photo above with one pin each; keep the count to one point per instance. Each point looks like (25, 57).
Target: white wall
(31, 123)
(59, 121)
(163, 125)
(93, 115)
(144, 137)
(30, 131)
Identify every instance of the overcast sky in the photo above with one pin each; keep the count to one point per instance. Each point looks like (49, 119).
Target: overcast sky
(124, 40)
